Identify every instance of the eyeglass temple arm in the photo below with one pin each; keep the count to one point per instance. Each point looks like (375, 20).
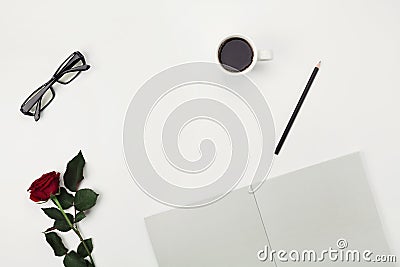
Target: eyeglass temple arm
(79, 68)
(37, 111)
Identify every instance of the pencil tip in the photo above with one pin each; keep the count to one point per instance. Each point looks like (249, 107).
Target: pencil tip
(319, 64)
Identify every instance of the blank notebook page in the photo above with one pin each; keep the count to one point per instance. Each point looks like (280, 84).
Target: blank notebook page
(314, 207)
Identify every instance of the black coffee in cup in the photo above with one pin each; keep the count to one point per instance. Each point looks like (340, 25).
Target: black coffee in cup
(235, 54)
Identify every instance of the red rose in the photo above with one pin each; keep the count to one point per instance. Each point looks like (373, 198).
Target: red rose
(47, 185)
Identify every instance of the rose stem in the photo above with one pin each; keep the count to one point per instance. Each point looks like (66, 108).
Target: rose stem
(54, 198)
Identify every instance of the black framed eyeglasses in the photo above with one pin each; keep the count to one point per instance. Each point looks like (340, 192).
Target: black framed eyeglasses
(44, 95)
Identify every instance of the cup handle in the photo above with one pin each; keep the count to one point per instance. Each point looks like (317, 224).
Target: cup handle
(264, 55)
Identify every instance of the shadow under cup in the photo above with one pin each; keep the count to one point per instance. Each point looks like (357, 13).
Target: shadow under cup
(235, 54)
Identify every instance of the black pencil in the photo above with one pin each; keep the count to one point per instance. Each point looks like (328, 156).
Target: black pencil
(297, 109)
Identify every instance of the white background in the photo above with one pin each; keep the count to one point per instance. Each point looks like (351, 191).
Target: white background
(354, 104)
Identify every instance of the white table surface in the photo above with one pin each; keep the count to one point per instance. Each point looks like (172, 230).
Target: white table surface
(354, 104)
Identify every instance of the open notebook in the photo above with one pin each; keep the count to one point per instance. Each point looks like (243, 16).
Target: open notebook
(309, 209)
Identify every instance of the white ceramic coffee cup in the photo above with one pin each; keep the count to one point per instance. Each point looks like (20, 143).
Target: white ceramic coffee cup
(258, 55)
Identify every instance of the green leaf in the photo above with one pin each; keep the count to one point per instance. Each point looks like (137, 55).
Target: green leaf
(66, 199)
(85, 199)
(56, 243)
(74, 173)
(88, 263)
(53, 213)
(80, 216)
(81, 248)
(73, 259)
(62, 225)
